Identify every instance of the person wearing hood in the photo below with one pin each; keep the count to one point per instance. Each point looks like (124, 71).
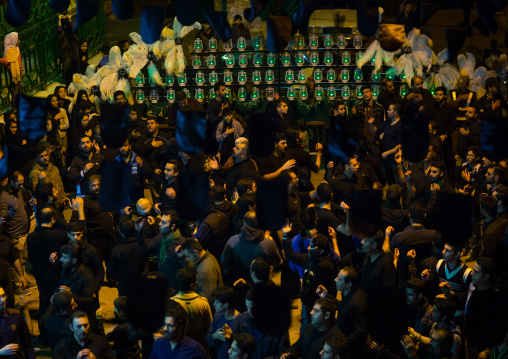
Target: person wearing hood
(12, 59)
(239, 30)
(243, 248)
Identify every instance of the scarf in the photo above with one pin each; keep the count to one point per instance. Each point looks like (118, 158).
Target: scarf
(165, 243)
(11, 55)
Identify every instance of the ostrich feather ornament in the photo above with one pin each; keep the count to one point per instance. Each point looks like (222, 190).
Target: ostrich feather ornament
(414, 55)
(441, 73)
(141, 54)
(172, 44)
(89, 82)
(467, 64)
(382, 56)
(118, 78)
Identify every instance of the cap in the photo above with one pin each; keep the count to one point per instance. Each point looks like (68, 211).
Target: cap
(414, 136)
(115, 186)
(455, 37)
(364, 212)
(33, 116)
(219, 22)
(256, 7)
(391, 36)
(152, 23)
(271, 203)
(192, 199)
(279, 32)
(262, 129)
(237, 17)
(114, 124)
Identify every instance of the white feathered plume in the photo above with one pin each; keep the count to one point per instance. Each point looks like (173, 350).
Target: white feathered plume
(172, 44)
(467, 66)
(118, 76)
(141, 54)
(441, 73)
(89, 82)
(416, 54)
(382, 56)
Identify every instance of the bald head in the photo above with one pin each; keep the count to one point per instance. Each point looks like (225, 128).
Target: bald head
(143, 207)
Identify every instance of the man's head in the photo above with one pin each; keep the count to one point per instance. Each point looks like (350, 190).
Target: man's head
(46, 192)
(492, 85)
(488, 206)
(414, 292)
(94, 184)
(367, 93)
(152, 125)
(80, 326)
(501, 196)
(133, 114)
(63, 303)
(484, 274)
(373, 244)
(444, 310)
(280, 143)
(227, 114)
(416, 213)
(335, 348)
(437, 171)
(246, 185)
(470, 113)
(339, 108)
(181, 99)
(394, 111)
(388, 86)
(238, 19)
(192, 250)
(119, 97)
(394, 194)
(171, 170)
(47, 216)
(451, 252)
(494, 175)
(124, 45)
(71, 256)
(441, 94)
(442, 342)
(169, 222)
(242, 347)
(187, 279)
(42, 150)
(347, 279)
(281, 106)
(120, 304)
(324, 193)
(220, 90)
(260, 270)
(473, 155)
(241, 149)
(291, 179)
(175, 322)
(417, 84)
(17, 181)
(224, 298)
(125, 150)
(75, 232)
(323, 313)
(3, 299)
(85, 145)
(126, 227)
(352, 167)
(143, 207)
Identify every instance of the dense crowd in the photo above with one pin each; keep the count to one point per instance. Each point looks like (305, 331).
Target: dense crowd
(404, 289)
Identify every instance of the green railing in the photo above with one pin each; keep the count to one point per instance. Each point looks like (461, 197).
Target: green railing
(39, 51)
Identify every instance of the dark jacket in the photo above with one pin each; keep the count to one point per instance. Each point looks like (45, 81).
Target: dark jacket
(75, 174)
(82, 285)
(15, 331)
(69, 348)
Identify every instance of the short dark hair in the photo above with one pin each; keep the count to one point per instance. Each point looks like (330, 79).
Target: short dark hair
(338, 345)
(219, 193)
(502, 194)
(385, 82)
(225, 295)
(179, 315)
(41, 147)
(174, 217)
(324, 192)
(393, 193)
(365, 87)
(44, 191)
(488, 267)
(218, 85)
(75, 226)
(121, 43)
(338, 103)
(180, 95)
(186, 277)
(304, 174)
(78, 314)
(322, 242)
(351, 276)
(327, 306)
(61, 300)
(279, 136)
(416, 284)
(309, 217)
(489, 204)
(292, 136)
(246, 343)
(442, 89)
(498, 171)
(439, 165)
(94, 178)
(446, 307)
(126, 227)
(379, 238)
(227, 111)
(15, 176)
(120, 303)
(47, 214)
(278, 103)
(397, 107)
(244, 185)
(118, 93)
(153, 118)
(261, 269)
(245, 202)
(74, 251)
(417, 212)
(491, 82)
(192, 244)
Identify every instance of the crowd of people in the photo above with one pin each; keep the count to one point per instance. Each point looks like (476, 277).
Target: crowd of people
(406, 290)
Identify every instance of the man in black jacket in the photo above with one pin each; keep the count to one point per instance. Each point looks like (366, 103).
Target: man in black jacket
(127, 260)
(43, 241)
(216, 105)
(445, 119)
(84, 166)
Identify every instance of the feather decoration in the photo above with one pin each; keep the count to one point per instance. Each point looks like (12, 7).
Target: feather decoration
(441, 73)
(467, 66)
(172, 44)
(117, 69)
(381, 56)
(141, 54)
